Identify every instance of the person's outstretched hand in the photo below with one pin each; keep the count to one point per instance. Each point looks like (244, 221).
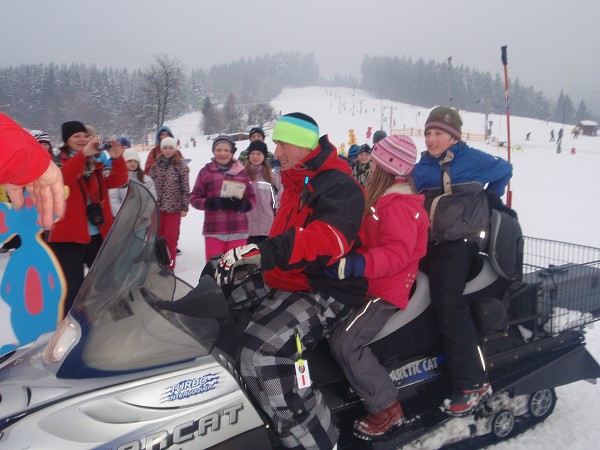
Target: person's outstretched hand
(47, 192)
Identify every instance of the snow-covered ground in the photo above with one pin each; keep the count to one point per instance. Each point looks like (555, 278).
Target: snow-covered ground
(553, 193)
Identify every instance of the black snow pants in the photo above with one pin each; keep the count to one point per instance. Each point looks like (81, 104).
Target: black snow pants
(447, 265)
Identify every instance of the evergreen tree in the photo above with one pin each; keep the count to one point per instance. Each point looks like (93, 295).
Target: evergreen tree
(196, 89)
(582, 112)
(233, 115)
(564, 111)
(212, 122)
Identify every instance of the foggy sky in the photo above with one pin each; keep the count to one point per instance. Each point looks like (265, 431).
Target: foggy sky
(552, 45)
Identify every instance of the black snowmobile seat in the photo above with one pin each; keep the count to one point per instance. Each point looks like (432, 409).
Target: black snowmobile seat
(505, 256)
(505, 245)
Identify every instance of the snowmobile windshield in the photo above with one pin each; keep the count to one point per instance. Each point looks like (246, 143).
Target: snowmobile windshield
(114, 326)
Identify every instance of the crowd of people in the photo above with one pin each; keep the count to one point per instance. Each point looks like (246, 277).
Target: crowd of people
(339, 242)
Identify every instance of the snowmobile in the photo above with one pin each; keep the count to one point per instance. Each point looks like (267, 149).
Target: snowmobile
(146, 361)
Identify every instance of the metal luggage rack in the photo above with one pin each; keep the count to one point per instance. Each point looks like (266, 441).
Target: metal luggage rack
(568, 279)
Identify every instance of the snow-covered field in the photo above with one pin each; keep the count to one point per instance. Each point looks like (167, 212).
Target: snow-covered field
(553, 193)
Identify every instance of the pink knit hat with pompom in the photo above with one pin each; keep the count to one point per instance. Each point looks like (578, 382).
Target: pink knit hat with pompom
(395, 154)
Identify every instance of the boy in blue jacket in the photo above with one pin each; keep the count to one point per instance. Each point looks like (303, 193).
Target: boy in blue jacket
(458, 231)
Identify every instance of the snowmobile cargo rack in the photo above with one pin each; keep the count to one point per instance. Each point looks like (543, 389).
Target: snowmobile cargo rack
(567, 277)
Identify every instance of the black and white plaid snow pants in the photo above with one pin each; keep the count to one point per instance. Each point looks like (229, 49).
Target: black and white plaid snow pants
(267, 356)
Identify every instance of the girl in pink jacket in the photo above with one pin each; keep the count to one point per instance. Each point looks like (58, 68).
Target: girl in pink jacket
(223, 190)
(395, 226)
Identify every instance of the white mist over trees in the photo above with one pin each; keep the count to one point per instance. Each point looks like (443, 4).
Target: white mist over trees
(235, 95)
(434, 83)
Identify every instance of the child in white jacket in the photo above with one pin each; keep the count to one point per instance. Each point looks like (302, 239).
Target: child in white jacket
(136, 174)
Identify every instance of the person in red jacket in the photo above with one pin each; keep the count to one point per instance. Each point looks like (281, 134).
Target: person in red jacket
(24, 162)
(77, 238)
(395, 227)
(316, 224)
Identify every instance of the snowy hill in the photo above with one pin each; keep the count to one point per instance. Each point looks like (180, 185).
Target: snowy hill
(550, 190)
(553, 194)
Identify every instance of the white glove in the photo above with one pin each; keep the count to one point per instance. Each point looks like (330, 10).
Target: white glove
(246, 254)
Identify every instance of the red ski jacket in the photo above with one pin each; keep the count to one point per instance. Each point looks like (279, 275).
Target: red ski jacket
(317, 222)
(396, 237)
(74, 225)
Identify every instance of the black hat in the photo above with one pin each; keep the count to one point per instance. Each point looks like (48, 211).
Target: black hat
(258, 145)
(224, 138)
(365, 148)
(378, 135)
(70, 128)
(256, 130)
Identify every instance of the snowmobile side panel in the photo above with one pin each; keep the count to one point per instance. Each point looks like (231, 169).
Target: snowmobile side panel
(257, 439)
(575, 365)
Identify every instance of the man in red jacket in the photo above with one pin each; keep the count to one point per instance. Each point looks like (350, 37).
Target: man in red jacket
(24, 162)
(316, 224)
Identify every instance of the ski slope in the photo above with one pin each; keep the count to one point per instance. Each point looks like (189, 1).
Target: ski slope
(554, 195)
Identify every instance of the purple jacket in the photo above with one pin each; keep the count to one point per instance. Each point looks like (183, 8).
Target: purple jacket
(260, 218)
(209, 184)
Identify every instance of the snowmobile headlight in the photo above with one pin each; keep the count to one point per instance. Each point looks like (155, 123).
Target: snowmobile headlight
(65, 337)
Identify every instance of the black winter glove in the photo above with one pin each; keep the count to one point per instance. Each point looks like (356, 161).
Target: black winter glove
(213, 204)
(235, 204)
(245, 206)
(495, 202)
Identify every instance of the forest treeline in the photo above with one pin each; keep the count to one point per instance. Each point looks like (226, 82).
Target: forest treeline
(117, 101)
(443, 83)
(134, 103)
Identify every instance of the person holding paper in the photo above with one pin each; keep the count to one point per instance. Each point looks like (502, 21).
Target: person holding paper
(224, 192)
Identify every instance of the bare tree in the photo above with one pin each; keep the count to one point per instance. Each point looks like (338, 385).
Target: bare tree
(162, 87)
(233, 115)
(261, 113)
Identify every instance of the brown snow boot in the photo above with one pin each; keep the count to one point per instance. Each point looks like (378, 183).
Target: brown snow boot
(377, 424)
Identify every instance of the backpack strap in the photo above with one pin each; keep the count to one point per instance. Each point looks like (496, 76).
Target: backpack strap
(446, 181)
(445, 165)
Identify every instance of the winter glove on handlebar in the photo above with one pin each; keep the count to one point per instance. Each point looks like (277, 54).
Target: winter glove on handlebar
(351, 265)
(246, 254)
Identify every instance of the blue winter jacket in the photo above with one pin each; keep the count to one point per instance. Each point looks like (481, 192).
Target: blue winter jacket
(468, 165)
